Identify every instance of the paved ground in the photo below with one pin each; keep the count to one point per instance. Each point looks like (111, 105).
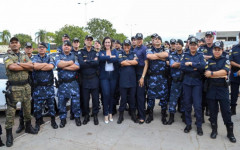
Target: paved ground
(128, 136)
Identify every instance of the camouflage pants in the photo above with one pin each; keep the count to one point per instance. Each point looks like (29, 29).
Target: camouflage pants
(20, 94)
(176, 92)
(38, 105)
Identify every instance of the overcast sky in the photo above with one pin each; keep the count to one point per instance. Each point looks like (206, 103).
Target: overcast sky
(168, 18)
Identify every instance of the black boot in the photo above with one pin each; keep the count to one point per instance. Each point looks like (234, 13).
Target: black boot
(21, 126)
(214, 131)
(29, 128)
(95, 119)
(233, 110)
(63, 123)
(199, 131)
(164, 117)
(9, 137)
(53, 123)
(150, 116)
(187, 128)
(37, 124)
(41, 121)
(86, 119)
(78, 121)
(133, 116)
(120, 118)
(171, 119)
(1, 143)
(230, 134)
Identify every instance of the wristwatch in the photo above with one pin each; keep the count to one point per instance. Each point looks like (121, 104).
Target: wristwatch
(143, 76)
(18, 63)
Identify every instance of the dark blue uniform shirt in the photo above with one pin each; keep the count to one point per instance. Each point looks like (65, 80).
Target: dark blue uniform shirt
(207, 50)
(127, 73)
(175, 57)
(234, 55)
(142, 56)
(192, 74)
(217, 92)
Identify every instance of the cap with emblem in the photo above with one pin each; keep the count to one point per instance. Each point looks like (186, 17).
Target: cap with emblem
(172, 41)
(66, 42)
(133, 38)
(154, 35)
(127, 42)
(139, 36)
(14, 39)
(209, 33)
(66, 35)
(166, 42)
(179, 41)
(43, 44)
(218, 44)
(76, 39)
(28, 44)
(202, 40)
(193, 40)
(88, 36)
(158, 37)
(98, 41)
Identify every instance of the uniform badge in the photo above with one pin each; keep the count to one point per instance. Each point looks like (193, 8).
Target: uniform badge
(97, 54)
(79, 53)
(120, 55)
(228, 62)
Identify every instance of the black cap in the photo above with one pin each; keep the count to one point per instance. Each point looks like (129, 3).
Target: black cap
(43, 44)
(118, 42)
(202, 40)
(88, 36)
(28, 44)
(127, 42)
(133, 37)
(209, 33)
(218, 44)
(179, 41)
(158, 37)
(65, 35)
(14, 39)
(153, 35)
(113, 41)
(193, 40)
(66, 42)
(76, 39)
(173, 41)
(98, 41)
(139, 36)
(166, 42)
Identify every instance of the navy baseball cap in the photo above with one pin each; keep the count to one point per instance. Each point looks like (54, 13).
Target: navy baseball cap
(179, 41)
(133, 38)
(14, 39)
(202, 40)
(76, 39)
(139, 36)
(43, 44)
(118, 42)
(127, 42)
(88, 36)
(154, 35)
(193, 40)
(218, 44)
(158, 37)
(209, 33)
(173, 41)
(66, 42)
(28, 44)
(66, 35)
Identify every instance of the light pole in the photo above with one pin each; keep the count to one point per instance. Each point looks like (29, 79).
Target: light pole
(131, 26)
(85, 3)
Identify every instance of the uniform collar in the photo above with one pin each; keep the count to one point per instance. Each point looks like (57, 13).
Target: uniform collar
(43, 56)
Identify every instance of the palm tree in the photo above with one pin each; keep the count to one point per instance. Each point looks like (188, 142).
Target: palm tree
(40, 36)
(5, 36)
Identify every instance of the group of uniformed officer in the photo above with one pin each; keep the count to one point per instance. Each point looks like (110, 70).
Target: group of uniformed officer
(194, 78)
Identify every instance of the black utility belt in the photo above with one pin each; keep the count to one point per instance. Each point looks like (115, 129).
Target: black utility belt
(194, 76)
(219, 84)
(66, 80)
(43, 83)
(18, 83)
(89, 76)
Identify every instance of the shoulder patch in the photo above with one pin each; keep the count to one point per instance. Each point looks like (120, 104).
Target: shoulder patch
(120, 55)
(228, 62)
(97, 54)
(79, 52)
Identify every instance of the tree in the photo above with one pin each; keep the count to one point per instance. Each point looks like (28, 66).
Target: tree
(72, 31)
(5, 36)
(119, 36)
(50, 37)
(41, 36)
(100, 28)
(23, 38)
(147, 39)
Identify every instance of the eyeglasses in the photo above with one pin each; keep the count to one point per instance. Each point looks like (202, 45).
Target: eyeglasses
(40, 47)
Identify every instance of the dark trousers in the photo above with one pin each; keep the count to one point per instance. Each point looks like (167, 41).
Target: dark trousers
(108, 88)
(234, 93)
(224, 107)
(0, 129)
(95, 100)
(127, 95)
(192, 95)
(141, 95)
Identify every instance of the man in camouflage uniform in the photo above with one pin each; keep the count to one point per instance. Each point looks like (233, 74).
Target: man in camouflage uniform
(43, 85)
(158, 88)
(67, 66)
(18, 89)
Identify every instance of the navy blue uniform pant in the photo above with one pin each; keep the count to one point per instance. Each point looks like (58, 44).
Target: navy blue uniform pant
(108, 89)
(141, 98)
(86, 98)
(192, 96)
(234, 93)
(127, 95)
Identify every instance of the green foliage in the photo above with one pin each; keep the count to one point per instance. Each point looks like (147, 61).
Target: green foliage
(23, 38)
(147, 39)
(100, 28)
(41, 36)
(119, 36)
(5, 36)
(72, 31)
(50, 37)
